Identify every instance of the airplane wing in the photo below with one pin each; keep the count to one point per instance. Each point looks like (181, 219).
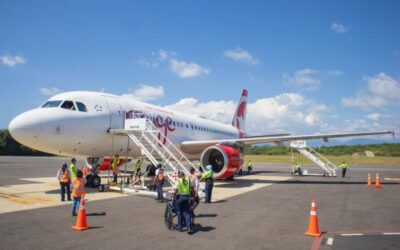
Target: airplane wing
(195, 146)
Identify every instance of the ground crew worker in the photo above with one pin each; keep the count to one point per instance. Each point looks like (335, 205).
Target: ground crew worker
(297, 169)
(114, 165)
(208, 176)
(181, 197)
(138, 164)
(249, 166)
(72, 168)
(344, 167)
(195, 200)
(159, 182)
(63, 177)
(78, 191)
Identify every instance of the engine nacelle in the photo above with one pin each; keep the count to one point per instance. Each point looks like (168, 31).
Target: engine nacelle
(225, 160)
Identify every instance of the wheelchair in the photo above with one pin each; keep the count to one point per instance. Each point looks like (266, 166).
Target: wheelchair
(170, 213)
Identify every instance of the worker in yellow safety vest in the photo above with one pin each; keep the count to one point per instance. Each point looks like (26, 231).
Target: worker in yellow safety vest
(114, 165)
(63, 178)
(208, 176)
(78, 191)
(72, 168)
(249, 166)
(344, 167)
(181, 196)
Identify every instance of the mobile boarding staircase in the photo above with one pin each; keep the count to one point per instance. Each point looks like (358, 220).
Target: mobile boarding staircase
(157, 148)
(327, 166)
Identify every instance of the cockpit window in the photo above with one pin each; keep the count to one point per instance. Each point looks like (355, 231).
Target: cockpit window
(81, 107)
(51, 104)
(68, 105)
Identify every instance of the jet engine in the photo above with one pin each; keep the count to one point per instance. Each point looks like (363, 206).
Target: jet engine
(225, 160)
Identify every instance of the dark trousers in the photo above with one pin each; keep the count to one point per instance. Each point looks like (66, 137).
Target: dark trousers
(182, 207)
(344, 172)
(249, 170)
(240, 172)
(115, 175)
(159, 185)
(63, 187)
(208, 191)
(75, 205)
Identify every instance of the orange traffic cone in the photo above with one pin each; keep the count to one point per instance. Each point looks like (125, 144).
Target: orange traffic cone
(377, 181)
(313, 229)
(369, 183)
(81, 220)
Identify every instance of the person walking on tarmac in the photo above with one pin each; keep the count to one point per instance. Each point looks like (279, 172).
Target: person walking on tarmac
(114, 165)
(181, 196)
(249, 166)
(78, 191)
(159, 182)
(344, 167)
(72, 168)
(63, 177)
(208, 176)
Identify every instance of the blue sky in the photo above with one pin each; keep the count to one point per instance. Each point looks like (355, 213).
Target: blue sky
(309, 66)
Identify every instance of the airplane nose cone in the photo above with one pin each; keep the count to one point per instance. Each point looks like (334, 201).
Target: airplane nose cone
(25, 128)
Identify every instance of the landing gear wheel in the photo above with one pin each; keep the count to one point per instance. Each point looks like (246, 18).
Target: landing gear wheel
(89, 178)
(102, 188)
(95, 181)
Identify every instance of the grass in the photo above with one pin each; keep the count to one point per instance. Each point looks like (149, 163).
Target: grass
(379, 160)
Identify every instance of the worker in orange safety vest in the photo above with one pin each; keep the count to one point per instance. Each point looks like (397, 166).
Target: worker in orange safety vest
(78, 191)
(64, 179)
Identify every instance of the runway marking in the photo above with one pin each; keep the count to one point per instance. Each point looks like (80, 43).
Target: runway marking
(397, 233)
(329, 242)
(352, 234)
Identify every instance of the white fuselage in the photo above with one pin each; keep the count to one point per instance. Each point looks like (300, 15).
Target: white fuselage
(63, 131)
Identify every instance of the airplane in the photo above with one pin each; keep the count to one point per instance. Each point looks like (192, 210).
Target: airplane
(78, 124)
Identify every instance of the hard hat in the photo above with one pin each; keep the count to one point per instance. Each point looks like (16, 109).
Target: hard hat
(209, 167)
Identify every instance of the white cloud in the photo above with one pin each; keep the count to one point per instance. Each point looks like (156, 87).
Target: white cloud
(215, 110)
(12, 60)
(306, 79)
(146, 93)
(339, 28)
(179, 67)
(50, 91)
(381, 91)
(187, 70)
(282, 113)
(241, 55)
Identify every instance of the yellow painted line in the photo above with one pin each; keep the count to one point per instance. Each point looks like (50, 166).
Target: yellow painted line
(392, 179)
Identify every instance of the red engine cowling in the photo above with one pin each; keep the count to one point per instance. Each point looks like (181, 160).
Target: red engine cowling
(225, 160)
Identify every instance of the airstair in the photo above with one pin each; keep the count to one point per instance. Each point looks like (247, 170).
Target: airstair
(327, 166)
(157, 148)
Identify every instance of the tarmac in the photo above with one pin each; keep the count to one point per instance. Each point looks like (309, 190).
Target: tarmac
(266, 210)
